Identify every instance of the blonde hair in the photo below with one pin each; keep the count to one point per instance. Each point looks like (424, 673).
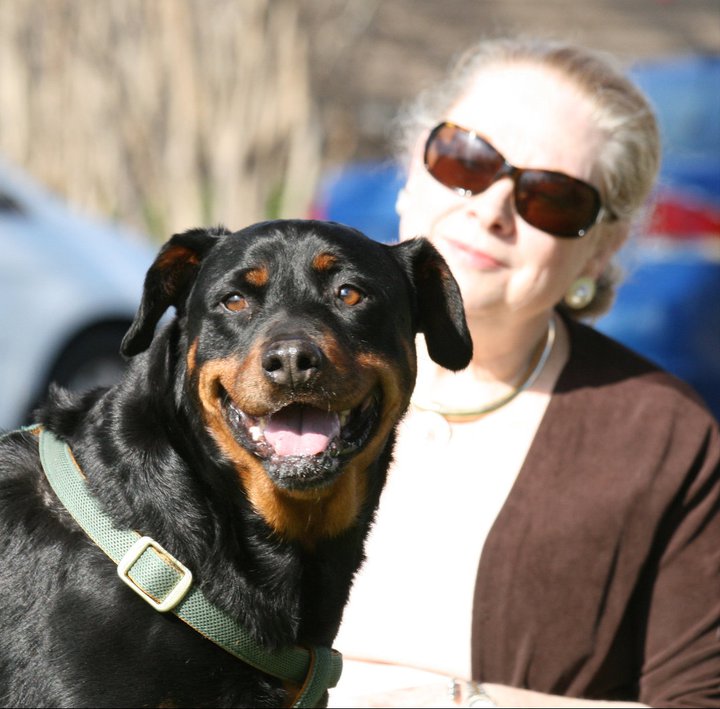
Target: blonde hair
(629, 161)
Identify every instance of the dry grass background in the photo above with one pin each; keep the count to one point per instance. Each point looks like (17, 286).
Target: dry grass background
(163, 113)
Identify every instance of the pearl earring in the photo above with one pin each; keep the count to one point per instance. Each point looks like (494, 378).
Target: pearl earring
(581, 293)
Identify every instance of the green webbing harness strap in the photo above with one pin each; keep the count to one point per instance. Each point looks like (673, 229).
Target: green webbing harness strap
(161, 580)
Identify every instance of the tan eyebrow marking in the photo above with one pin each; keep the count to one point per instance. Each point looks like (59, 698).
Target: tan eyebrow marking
(257, 276)
(324, 262)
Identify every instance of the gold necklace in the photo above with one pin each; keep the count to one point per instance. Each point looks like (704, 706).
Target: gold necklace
(460, 415)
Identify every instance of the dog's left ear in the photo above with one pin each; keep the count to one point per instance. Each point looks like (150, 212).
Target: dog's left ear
(441, 315)
(167, 283)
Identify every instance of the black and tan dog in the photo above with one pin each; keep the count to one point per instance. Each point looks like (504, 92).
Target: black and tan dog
(250, 438)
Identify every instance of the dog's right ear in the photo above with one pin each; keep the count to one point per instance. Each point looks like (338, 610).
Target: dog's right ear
(441, 315)
(167, 283)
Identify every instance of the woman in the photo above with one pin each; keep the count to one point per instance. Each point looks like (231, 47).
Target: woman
(550, 526)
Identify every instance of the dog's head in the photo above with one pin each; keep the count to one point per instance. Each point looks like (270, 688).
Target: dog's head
(300, 355)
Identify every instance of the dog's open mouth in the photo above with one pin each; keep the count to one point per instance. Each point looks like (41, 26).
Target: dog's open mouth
(302, 446)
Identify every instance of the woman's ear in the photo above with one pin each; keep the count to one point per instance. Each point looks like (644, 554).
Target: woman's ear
(401, 201)
(609, 239)
(413, 219)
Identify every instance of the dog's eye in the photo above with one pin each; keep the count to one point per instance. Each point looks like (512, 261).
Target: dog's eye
(350, 295)
(235, 303)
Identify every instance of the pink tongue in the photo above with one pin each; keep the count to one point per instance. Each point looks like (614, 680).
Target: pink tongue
(301, 430)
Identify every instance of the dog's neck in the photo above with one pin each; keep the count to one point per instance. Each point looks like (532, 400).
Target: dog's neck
(279, 590)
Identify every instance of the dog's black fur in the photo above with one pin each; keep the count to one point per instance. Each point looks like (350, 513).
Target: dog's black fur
(281, 316)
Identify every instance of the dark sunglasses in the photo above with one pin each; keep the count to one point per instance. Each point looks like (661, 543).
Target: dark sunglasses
(551, 201)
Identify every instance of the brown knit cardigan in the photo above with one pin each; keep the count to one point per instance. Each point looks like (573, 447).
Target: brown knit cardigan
(601, 575)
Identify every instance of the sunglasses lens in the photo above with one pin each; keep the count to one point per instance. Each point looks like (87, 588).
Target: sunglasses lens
(460, 160)
(551, 201)
(556, 203)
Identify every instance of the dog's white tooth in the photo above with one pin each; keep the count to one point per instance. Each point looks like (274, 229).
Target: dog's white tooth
(255, 433)
(344, 417)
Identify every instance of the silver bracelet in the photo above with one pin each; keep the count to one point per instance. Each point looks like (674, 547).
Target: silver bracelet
(470, 694)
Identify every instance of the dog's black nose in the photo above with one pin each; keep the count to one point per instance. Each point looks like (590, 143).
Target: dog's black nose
(292, 362)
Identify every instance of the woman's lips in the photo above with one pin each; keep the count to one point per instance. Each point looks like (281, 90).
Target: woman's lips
(473, 257)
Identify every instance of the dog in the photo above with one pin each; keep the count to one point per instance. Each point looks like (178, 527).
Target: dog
(249, 439)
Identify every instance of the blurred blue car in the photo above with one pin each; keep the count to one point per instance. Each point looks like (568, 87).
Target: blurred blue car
(667, 308)
(69, 289)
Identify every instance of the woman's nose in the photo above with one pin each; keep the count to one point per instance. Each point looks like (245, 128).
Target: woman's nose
(494, 208)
